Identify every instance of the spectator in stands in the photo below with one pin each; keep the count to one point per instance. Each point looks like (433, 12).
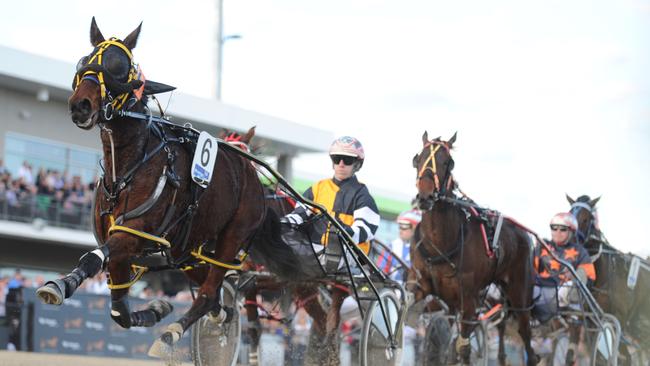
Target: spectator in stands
(98, 285)
(3, 168)
(25, 172)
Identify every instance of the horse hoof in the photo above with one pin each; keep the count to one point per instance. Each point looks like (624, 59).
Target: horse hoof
(163, 345)
(162, 308)
(52, 292)
(158, 349)
(172, 334)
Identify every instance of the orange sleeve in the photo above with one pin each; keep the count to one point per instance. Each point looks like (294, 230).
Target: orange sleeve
(590, 270)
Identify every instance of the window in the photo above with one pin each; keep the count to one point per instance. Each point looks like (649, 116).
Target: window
(50, 154)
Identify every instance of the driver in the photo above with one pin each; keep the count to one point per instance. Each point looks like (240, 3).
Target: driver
(551, 274)
(344, 197)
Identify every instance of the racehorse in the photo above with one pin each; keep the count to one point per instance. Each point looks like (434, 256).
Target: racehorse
(611, 290)
(450, 257)
(148, 202)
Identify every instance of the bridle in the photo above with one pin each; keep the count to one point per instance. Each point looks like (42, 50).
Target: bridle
(441, 186)
(114, 93)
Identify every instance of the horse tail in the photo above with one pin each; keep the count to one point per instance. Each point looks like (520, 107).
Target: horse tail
(271, 251)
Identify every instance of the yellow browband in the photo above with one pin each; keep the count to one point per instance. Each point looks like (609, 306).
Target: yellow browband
(140, 270)
(118, 101)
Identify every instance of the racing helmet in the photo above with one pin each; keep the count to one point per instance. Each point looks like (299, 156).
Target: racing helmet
(348, 146)
(410, 217)
(565, 219)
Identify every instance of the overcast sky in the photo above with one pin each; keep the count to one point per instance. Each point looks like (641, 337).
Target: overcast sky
(547, 97)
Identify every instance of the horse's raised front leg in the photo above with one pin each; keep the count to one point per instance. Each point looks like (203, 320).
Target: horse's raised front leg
(91, 263)
(119, 272)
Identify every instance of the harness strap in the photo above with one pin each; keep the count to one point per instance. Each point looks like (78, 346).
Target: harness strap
(138, 233)
(138, 272)
(198, 254)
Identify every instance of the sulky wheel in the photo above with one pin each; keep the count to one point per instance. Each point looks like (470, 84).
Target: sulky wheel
(216, 343)
(605, 347)
(560, 349)
(375, 347)
(436, 343)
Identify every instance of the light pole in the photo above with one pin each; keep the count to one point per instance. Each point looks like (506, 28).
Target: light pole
(221, 39)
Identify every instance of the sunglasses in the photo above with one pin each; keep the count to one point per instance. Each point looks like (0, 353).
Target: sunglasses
(347, 160)
(405, 227)
(559, 228)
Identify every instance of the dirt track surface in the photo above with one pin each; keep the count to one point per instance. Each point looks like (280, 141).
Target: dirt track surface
(48, 359)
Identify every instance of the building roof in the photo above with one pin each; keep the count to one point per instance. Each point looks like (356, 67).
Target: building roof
(29, 73)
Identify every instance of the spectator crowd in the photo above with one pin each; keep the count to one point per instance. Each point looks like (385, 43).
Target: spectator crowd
(48, 194)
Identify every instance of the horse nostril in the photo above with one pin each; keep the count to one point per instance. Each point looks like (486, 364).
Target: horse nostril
(81, 107)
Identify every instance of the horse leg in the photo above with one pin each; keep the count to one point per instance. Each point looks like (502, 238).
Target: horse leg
(332, 341)
(574, 339)
(119, 271)
(467, 325)
(501, 327)
(254, 326)
(206, 301)
(308, 297)
(91, 263)
(521, 299)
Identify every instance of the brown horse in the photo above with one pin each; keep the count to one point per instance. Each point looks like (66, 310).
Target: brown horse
(450, 258)
(147, 202)
(630, 306)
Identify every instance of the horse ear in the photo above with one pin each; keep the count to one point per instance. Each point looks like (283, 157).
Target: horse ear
(425, 138)
(452, 139)
(249, 135)
(132, 39)
(96, 36)
(568, 198)
(593, 202)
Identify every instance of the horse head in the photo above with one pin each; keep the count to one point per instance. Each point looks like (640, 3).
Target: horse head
(241, 141)
(434, 166)
(584, 210)
(105, 79)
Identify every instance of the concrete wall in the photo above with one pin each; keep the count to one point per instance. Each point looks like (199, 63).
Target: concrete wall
(22, 113)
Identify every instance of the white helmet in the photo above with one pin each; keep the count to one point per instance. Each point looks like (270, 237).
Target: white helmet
(348, 146)
(565, 219)
(410, 217)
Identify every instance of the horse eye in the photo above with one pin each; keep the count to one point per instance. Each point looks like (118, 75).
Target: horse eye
(415, 160)
(82, 62)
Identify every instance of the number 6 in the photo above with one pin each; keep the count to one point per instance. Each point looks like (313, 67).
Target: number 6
(205, 153)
